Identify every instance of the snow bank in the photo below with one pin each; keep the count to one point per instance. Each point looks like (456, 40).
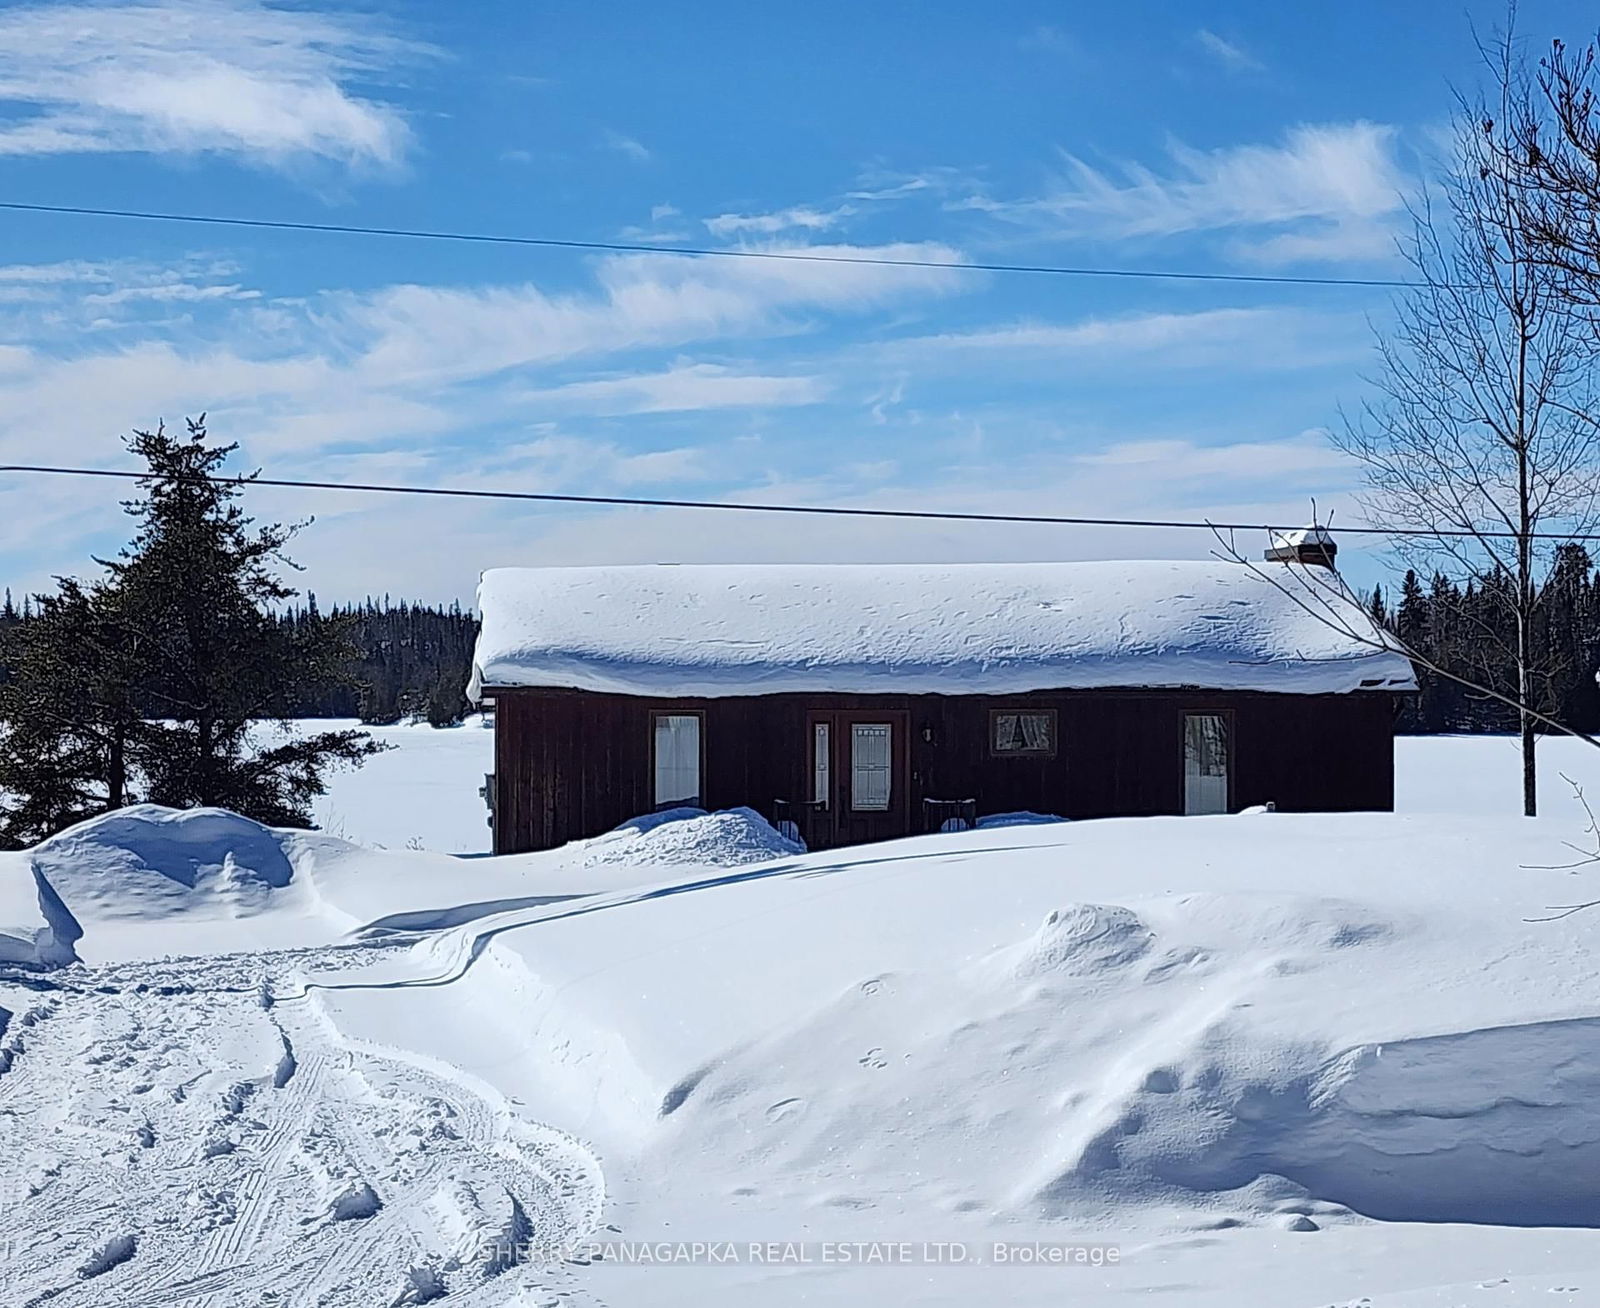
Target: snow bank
(36, 928)
(150, 862)
(912, 628)
(1020, 819)
(149, 882)
(692, 836)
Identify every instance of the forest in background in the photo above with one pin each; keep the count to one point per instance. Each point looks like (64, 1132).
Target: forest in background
(1469, 629)
(413, 660)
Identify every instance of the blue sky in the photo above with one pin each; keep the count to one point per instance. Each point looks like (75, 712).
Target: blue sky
(1242, 137)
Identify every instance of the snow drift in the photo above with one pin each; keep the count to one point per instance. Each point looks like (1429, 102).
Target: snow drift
(1056, 1022)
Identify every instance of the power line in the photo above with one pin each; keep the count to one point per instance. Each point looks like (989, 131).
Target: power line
(701, 252)
(825, 510)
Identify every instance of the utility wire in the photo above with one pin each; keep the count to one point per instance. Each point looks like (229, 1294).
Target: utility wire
(826, 510)
(623, 247)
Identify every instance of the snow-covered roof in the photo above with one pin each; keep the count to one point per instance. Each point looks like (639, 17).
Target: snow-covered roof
(972, 628)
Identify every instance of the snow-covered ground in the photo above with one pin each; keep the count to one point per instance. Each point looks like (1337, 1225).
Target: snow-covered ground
(1271, 1058)
(421, 794)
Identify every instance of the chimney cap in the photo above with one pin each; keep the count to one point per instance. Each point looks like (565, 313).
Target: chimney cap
(1313, 545)
(1313, 535)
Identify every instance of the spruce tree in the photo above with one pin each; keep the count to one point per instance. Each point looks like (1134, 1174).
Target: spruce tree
(198, 584)
(70, 727)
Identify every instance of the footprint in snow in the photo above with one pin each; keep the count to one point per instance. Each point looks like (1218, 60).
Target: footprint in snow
(873, 1058)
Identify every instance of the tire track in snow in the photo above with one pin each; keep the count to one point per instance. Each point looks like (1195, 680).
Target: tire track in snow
(250, 1224)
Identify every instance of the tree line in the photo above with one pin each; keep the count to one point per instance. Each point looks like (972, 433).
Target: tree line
(408, 661)
(1468, 629)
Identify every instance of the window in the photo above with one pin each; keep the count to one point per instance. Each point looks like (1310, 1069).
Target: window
(1205, 763)
(870, 768)
(676, 750)
(1018, 734)
(820, 764)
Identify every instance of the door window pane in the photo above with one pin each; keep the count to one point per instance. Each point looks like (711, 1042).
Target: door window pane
(1205, 763)
(820, 763)
(869, 766)
(677, 753)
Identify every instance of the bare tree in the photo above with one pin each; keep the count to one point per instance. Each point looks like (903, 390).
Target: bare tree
(1549, 141)
(1482, 438)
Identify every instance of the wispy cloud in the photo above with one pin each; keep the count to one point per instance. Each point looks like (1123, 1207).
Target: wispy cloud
(59, 301)
(626, 145)
(1310, 454)
(273, 86)
(685, 387)
(432, 334)
(1325, 192)
(879, 183)
(411, 363)
(801, 217)
(1254, 339)
(1047, 36)
(1232, 56)
(664, 227)
(558, 460)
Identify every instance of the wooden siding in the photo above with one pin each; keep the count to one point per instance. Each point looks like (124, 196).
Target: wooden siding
(572, 764)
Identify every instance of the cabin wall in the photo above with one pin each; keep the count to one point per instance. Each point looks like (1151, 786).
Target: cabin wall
(571, 764)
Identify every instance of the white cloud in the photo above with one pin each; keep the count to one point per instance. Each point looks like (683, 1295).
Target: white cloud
(1133, 332)
(1231, 56)
(271, 85)
(435, 334)
(61, 301)
(561, 462)
(1236, 338)
(412, 363)
(768, 224)
(1265, 481)
(1241, 462)
(626, 145)
(1331, 191)
(684, 388)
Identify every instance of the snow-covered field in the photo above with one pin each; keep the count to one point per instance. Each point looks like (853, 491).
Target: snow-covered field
(1273, 1058)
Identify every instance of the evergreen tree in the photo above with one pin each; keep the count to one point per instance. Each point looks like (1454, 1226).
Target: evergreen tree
(197, 586)
(71, 724)
(1377, 608)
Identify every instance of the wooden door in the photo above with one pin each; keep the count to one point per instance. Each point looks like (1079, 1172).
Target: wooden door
(860, 774)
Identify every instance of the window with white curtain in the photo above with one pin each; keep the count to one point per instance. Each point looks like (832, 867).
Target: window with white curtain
(871, 766)
(1205, 763)
(677, 759)
(1023, 733)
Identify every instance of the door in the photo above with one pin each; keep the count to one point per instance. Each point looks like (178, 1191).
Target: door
(1206, 769)
(859, 776)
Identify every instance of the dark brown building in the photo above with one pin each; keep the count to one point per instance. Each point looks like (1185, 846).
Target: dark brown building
(862, 703)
